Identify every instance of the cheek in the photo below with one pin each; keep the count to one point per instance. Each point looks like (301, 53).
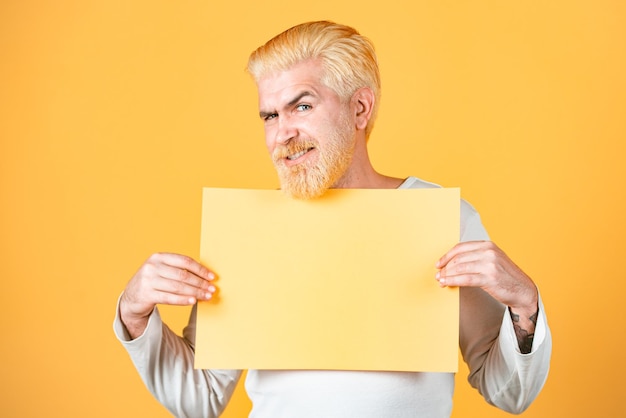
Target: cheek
(269, 141)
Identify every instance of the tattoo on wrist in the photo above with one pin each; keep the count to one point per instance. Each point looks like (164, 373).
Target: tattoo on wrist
(524, 338)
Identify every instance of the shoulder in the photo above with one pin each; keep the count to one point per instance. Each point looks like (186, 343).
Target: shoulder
(471, 226)
(417, 183)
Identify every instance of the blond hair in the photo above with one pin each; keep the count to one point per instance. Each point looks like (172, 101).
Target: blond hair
(348, 58)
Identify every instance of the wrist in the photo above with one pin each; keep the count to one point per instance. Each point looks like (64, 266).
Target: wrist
(529, 307)
(524, 321)
(134, 323)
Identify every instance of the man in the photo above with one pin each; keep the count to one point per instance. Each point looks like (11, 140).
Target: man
(319, 90)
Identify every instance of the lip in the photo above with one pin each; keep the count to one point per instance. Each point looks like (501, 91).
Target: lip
(303, 156)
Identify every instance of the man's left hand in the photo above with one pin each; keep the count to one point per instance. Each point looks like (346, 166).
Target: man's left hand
(483, 264)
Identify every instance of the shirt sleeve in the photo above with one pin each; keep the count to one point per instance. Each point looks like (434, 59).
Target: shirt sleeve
(504, 376)
(165, 360)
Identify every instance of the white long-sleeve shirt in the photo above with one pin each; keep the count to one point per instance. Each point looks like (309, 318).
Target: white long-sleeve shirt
(504, 376)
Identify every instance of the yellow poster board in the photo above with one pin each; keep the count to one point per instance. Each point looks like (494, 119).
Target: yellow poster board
(345, 282)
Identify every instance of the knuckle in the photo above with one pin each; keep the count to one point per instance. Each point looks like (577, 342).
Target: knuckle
(155, 258)
(488, 244)
(460, 268)
(492, 269)
(203, 271)
(476, 280)
(167, 299)
(141, 276)
(183, 275)
(179, 287)
(491, 253)
(148, 269)
(187, 261)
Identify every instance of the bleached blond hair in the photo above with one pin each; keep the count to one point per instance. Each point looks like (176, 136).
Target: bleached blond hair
(348, 58)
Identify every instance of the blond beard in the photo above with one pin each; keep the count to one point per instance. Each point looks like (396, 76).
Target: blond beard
(311, 179)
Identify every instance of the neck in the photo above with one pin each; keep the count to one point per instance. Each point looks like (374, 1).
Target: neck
(362, 175)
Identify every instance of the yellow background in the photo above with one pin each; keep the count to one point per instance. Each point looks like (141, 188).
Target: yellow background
(114, 115)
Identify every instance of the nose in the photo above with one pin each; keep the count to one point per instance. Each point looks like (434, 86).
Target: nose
(286, 130)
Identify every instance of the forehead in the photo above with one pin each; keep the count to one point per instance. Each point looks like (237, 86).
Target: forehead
(276, 88)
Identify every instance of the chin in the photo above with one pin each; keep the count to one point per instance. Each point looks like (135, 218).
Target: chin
(304, 194)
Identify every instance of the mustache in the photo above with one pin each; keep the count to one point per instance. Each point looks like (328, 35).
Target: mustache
(292, 147)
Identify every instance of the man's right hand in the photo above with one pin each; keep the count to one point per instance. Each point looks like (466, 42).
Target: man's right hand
(170, 279)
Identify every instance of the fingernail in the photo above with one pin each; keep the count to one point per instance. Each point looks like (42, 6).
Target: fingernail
(211, 275)
(211, 288)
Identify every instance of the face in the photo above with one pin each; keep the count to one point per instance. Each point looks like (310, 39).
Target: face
(308, 130)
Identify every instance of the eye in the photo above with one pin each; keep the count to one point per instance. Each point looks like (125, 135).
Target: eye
(269, 117)
(303, 107)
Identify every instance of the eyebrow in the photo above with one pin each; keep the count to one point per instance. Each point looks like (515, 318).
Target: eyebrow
(296, 99)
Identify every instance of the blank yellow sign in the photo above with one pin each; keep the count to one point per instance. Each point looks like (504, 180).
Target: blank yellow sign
(345, 282)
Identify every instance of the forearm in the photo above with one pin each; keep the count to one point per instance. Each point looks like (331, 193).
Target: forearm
(165, 363)
(524, 316)
(508, 378)
(524, 324)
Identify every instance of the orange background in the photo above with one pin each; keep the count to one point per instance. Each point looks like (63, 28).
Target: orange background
(114, 115)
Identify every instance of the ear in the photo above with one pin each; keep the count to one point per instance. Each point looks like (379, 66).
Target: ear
(363, 105)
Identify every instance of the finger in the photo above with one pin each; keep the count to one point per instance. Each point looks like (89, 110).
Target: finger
(455, 251)
(186, 263)
(461, 280)
(190, 286)
(464, 270)
(475, 257)
(465, 261)
(181, 275)
(167, 298)
(462, 248)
